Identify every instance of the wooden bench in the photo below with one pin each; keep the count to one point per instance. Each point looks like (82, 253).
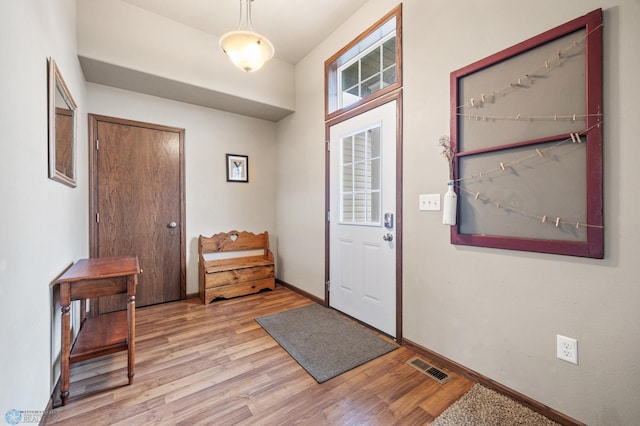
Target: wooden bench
(234, 264)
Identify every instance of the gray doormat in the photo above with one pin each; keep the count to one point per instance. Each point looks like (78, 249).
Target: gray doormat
(485, 407)
(322, 341)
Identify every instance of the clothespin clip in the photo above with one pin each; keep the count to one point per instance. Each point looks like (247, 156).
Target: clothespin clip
(557, 222)
(544, 219)
(540, 153)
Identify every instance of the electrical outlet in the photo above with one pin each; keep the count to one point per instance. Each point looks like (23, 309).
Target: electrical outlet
(567, 349)
(429, 202)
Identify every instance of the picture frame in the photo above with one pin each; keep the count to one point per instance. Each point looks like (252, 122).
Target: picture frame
(62, 117)
(528, 178)
(237, 168)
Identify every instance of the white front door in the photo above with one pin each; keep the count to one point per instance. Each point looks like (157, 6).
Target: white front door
(362, 262)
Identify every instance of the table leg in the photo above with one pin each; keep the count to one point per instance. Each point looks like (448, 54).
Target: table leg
(66, 349)
(131, 337)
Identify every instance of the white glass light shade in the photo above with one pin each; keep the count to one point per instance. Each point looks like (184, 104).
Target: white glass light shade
(246, 49)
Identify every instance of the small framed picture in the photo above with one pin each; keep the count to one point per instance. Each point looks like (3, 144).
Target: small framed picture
(237, 168)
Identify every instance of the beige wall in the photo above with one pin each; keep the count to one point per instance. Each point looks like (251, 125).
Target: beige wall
(494, 311)
(43, 223)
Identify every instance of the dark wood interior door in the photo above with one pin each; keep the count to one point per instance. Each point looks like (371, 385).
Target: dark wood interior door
(137, 179)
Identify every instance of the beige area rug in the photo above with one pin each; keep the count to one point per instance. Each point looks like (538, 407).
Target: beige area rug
(484, 407)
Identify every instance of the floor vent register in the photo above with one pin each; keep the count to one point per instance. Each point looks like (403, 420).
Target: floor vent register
(431, 371)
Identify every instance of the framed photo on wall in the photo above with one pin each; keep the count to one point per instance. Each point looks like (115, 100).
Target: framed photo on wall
(237, 168)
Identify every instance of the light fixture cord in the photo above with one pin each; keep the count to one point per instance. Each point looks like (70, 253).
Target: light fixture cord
(249, 23)
(247, 12)
(240, 16)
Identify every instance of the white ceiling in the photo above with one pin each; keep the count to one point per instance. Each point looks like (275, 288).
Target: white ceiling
(294, 27)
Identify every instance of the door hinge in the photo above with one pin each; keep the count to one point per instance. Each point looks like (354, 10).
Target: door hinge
(97, 145)
(97, 217)
(328, 146)
(329, 216)
(328, 284)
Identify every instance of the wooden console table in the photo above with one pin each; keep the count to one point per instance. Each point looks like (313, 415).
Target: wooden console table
(99, 334)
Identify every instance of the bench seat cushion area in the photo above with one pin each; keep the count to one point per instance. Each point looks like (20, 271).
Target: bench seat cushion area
(234, 273)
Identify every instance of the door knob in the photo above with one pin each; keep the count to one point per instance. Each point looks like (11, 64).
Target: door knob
(388, 237)
(172, 224)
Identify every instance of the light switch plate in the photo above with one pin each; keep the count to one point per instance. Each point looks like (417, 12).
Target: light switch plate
(429, 202)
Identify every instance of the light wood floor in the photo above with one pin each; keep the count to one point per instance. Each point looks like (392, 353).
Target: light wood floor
(214, 364)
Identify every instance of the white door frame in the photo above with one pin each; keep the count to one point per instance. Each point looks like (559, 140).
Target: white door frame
(389, 97)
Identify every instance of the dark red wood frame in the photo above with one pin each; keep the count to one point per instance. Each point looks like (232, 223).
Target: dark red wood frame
(594, 246)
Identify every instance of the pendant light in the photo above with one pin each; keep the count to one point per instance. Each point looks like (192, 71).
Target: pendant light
(247, 49)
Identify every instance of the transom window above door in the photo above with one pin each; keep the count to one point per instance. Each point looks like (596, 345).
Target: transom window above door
(360, 176)
(368, 72)
(366, 68)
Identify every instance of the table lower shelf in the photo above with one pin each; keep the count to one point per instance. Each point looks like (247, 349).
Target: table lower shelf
(101, 335)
